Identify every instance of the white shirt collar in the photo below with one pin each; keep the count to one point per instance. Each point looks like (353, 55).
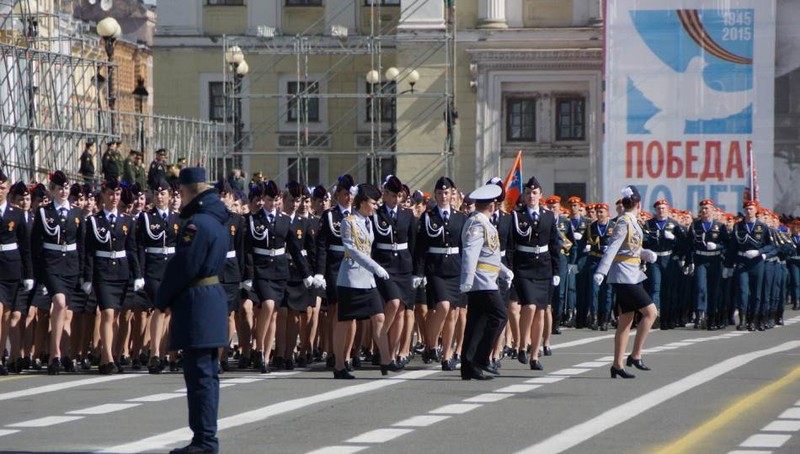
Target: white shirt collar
(443, 210)
(538, 210)
(162, 212)
(343, 209)
(3, 208)
(58, 206)
(109, 213)
(273, 213)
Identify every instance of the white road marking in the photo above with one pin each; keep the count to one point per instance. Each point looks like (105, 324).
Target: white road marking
(570, 371)
(39, 390)
(486, 398)
(7, 432)
(161, 441)
(741, 451)
(579, 433)
(421, 421)
(579, 342)
(544, 380)
(156, 397)
(241, 381)
(517, 389)
(765, 441)
(379, 436)
(591, 364)
(792, 413)
(339, 450)
(782, 426)
(45, 422)
(102, 409)
(455, 409)
(605, 358)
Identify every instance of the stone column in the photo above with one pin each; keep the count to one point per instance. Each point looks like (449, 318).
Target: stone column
(492, 14)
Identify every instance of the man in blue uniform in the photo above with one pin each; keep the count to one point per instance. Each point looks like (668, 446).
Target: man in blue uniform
(191, 290)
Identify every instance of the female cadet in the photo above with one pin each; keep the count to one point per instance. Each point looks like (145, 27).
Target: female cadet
(355, 285)
(622, 264)
(110, 261)
(58, 239)
(20, 323)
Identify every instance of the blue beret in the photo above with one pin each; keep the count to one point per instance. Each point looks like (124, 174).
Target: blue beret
(191, 175)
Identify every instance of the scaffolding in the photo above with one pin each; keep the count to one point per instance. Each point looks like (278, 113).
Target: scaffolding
(379, 155)
(55, 94)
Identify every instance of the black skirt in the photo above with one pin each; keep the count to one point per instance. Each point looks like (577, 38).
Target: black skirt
(40, 298)
(533, 291)
(8, 292)
(631, 297)
(398, 287)
(234, 296)
(111, 294)
(21, 302)
(443, 289)
(56, 283)
(330, 288)
(269, 290)
(297, 297)
(358, 303)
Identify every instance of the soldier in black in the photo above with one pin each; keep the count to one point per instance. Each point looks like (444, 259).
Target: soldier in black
(15, 254)
(438, 256)
(20, 323)
(87, 163)
(158, 169)
(231, 276)
(395, 231)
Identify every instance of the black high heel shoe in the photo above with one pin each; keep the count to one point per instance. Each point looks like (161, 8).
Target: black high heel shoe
(621, 372)
(637, 363)
(536, 365)
(385, 368)
(342, 375)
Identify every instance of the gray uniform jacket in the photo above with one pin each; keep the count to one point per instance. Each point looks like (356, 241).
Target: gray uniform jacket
(357, 269)
(622, 260)
(481, 262)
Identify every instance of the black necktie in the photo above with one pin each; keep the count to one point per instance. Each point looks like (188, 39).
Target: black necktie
(494, 218)
(369, 226)
(445, 216)
(164, 215)
(393, 214)
(111, 218)
(271, 218)
(346, 213)
(535, 215)
(62, 212)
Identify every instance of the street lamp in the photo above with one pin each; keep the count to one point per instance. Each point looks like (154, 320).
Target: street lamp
(239, 67)
(109, 31)
(392, 75)
(140, 94)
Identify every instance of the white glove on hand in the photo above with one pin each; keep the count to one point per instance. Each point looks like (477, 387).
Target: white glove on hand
(598, 279)
(711, 246)
(669, 235)
(464, 288)
(383, 274)
(319, 281)
(27, 284)
(578, 236)
(506, 274)
(587, 248)
(308, 281)
(248, 285)
(44, 290)
(138, 284)
(556, 281)
(86, 287)
(424, 281)
(752, 253)
(416, 281)
(681, 263)
(649, 256)
(727, 272)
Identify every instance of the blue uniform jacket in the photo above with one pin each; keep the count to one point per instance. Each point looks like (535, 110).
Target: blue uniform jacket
(199, 313)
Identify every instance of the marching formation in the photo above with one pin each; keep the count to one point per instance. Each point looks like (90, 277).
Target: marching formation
(364, 274)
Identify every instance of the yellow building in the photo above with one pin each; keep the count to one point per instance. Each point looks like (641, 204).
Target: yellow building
(520, 74)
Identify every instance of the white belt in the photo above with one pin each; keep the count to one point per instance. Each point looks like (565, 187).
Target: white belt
(8, 247)
(663, 253)
(59, 247)
(773, 259)
(160, 250)
(443, 250)
(230, 255)
(110, 255)
(742, 254)
(532, 250)
(392, 247)
(269, 252)
(708, 253)
(336, 247)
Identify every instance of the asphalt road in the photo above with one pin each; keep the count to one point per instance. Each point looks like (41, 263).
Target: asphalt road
(709, 392)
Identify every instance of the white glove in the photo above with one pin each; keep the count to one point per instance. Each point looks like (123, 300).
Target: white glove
(27, 284)
(556, 281)
(138, 284)
(669, 235)
(681, 263)
(308, 281)
(86, 287)
(578, 236)
(247, 285)
(382, 273)
(711, 246)
(424, 281)
(690, 268)
(506, 274)
(587, 248)
(44, 290)
(727, 272)
(416, 281)
(649, 256)
(752, 253)
(464, 288)
(763, 256)
(598, 278)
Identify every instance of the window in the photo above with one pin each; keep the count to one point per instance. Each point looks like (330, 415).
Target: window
(520, 120)
(300, 102)
(570, 124)
(385, 106)
(303, 2)
(382, 2)
(226, 2)
(218, 104)
(296, 173)
(566, 190)
(388, 167)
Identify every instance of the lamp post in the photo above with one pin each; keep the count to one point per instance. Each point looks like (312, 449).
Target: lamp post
(392, 75)
(239, 67)
(109, 31)
(140, 93)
